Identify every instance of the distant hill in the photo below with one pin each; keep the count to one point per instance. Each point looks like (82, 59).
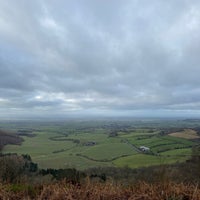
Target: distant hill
(9, 138)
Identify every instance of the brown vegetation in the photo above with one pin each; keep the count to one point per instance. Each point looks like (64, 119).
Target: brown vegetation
(97, 191)
(186, 133)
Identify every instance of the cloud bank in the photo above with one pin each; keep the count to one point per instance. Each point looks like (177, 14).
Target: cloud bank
(134, 58)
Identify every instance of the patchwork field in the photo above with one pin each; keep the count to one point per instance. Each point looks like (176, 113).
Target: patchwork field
(186, 133)
(84, 145)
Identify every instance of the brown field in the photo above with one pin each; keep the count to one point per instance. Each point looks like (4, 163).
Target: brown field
(187, 134)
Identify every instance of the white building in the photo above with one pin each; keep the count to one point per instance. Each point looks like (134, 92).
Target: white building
(144, 149)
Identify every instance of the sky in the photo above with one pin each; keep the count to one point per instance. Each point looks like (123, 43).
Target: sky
(64, 58)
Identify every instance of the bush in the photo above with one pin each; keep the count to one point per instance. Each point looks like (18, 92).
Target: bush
(13, 167)
(71, 175)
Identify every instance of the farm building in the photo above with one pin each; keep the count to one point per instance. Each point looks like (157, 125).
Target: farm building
(144, 149)
(92, 143)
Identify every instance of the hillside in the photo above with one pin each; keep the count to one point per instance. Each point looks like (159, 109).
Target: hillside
(9, 138)
(24, 178)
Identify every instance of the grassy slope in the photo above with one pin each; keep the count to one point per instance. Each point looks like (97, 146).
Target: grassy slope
(41, 149)
(142, 160)
(109, 151)
(62, 154)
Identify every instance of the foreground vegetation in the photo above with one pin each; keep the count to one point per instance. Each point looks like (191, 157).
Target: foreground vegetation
(20, 178)
(98, 191)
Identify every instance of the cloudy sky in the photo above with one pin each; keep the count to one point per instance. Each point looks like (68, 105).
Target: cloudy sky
(99, 57)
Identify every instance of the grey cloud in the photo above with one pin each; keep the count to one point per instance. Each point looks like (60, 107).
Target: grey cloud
(99, 56)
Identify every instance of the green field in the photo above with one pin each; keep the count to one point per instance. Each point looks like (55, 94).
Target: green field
(90, 144)
(141, 160)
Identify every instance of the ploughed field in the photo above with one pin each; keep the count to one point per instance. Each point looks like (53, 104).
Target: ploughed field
(85, 145)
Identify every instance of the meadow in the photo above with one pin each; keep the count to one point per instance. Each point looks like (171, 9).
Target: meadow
(88, 144)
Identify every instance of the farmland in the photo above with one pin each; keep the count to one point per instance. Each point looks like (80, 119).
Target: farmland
(86, 144)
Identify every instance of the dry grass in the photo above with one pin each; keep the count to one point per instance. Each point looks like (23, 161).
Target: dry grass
(187, 134)
(102, 191)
